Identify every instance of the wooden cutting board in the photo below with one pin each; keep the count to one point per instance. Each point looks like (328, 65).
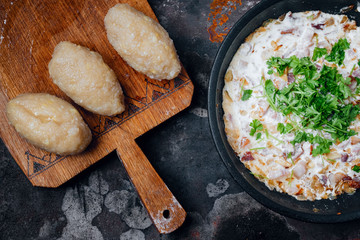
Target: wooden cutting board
(29, 32)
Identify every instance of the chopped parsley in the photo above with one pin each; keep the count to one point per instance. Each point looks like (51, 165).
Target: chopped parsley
(318, 53)
(246, 95)
(256, 126)
(356, 168)
(283, 129)
(316, 97)
(337, 54)
(258, 135)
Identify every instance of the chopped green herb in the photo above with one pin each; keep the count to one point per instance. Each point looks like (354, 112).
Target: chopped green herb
(331, 160)
(315, 97)
(283, 129)
(256, 126)
(337, 54)
(280, 64)
(299, 137)
(291, 177)
(290, 156)
(270, 92)
(258, 175)
(266, 133)
(351, 72)
(323, 146)
(258, 148)
(246, 95)
(310, 17)
(258, 135)
(318, 53)
(356, 168)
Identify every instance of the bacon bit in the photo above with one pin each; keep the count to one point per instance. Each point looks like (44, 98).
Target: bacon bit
(352, 182)
(288, 31)
(347, 178)
(319, 26)
(329, 22)
(317, 15)
(323, 180)
(291, 78)
(278, 47)
(349, 26)
(311, 149)
(261, 29)
(282, 17)
(273, 44)
(344, 157)
(344, 19)
(219, 18)
(243, 81)
(247, 157)
(228, 76)
(300, 192)
(354, 140)
(244, 141)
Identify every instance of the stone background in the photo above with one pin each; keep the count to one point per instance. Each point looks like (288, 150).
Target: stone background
(101, 203)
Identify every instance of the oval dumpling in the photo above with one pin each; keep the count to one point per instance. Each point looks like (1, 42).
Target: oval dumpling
(86, 79)
(49, 123)
(142, 42)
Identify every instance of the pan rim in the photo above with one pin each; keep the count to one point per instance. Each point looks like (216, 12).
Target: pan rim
(215, 129)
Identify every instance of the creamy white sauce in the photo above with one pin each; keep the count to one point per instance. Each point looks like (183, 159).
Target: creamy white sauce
(294, 35)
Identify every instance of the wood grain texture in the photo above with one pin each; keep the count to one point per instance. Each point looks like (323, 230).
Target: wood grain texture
(166, 212)
(29, 32)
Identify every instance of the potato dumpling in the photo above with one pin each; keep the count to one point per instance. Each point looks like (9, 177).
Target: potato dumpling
(49, 122)
(142, 42)
(86, 79)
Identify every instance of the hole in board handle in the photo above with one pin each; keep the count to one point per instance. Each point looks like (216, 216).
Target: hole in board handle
(166, 214)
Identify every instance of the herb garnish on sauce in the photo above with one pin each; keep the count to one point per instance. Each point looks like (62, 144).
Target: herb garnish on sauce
(316, 97)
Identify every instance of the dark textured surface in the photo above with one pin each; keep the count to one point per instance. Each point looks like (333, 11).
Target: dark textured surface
(101, 203)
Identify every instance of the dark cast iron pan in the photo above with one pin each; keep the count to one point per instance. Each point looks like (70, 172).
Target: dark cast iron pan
(345, 207)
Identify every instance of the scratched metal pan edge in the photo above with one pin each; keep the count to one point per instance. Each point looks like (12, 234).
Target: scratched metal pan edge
(345, 207)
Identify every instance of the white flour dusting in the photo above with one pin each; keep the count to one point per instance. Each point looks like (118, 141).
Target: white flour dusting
(2, 29)
(126, 204)
(117, 201)
(81, 205)
(132, 234)
(214, 190)
(200, 112)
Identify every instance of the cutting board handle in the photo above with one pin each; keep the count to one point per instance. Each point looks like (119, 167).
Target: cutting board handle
(165, 211)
